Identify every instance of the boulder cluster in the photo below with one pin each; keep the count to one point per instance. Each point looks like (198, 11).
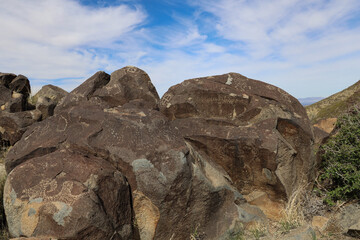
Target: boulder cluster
(111, 160)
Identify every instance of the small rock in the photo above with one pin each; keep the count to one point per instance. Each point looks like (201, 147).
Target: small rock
(272, 209)
(302, 233)
(319, 222)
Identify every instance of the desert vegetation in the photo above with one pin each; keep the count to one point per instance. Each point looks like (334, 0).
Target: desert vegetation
(340, 169)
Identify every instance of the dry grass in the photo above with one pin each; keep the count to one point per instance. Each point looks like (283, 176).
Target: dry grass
(294, 212)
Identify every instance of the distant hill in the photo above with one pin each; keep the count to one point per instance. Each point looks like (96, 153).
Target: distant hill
(335, 105)
(309, 100)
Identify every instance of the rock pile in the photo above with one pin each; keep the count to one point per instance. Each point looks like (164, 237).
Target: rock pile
(116, 162)
(16, 113)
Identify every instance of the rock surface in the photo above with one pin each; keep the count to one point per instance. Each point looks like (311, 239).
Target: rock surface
(14, 92)
(302, 233)
(68, 196)
(214, 139)
(327, 125)
(256, 133)
(346, 221)
(13, 125)
(16, 114)
(50, 91)
(47, 99)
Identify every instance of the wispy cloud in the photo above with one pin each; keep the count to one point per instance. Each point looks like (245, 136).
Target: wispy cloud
(56, 39)
(263, 28)
(293, 44)
(281, 37)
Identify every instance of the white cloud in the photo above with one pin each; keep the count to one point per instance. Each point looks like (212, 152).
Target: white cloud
(293, 44)
(265, 27)
(53, 39)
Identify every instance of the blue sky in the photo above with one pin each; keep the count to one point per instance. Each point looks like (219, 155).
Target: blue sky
(306, 47)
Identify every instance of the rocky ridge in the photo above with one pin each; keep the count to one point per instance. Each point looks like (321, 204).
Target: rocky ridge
(335, 105)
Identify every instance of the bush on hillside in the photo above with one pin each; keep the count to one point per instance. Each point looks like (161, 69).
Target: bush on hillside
(340, 171)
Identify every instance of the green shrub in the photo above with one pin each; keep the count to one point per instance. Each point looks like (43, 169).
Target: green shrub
(340, 171)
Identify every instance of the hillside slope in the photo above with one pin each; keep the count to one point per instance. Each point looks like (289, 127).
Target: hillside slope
(335, 105)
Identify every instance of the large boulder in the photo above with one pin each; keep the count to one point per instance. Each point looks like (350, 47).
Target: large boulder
(169, 184)
(257, 133)
(128, 84)
(188, 163)
(68, 196)
(50, 91)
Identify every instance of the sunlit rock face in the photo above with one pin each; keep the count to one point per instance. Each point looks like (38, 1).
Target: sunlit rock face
(125, 164)
(257, 133)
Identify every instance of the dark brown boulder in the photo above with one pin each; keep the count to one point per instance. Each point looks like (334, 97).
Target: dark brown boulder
(68, 196)
(171, 181)
(20, 84)
(13, 125)
(5, 96)
(167, 182)
(47, 99)
(187, 164)
(95, 82)
(6, 78)
(127, 84)
(14, 114)
(46, 106)
(14, 92)
(257, 133)
(50, 91)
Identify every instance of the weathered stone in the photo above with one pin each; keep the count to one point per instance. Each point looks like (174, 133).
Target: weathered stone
(147, 216)
(128, 84)
(319, 222)
(302, 233)
(13, 125)
(14, 92)
(6, 78)
(319, 136)
(68, 196)
(95, 82)
(84, 92)
(52, 92)
(326, 125)
(33, 238)
(141, 144)
(187, 167)
(273, 210)
(346, 221)
(5, 96)
(47, 99)
(21, 85)
(257, 133)
(46, 106)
